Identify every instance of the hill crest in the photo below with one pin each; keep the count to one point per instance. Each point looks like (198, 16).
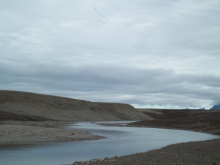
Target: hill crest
(31, 106)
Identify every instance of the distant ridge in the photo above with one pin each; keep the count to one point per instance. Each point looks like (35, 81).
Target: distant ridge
(31, 106)
(216, 107)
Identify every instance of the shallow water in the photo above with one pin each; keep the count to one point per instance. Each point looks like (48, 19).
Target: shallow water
(120, 141)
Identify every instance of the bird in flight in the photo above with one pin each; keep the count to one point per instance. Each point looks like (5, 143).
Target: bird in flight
(105, 19)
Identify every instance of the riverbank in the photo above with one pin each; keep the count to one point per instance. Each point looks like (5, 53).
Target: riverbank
(30, 132)
(191, 153)
(194, 153)
(192, 120)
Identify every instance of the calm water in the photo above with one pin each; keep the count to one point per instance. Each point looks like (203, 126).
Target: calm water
(119, 141)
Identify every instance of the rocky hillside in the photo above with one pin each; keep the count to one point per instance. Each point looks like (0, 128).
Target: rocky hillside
(29, 106)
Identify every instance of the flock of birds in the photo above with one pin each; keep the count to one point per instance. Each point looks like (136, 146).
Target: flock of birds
(99, 20)
(100, 14)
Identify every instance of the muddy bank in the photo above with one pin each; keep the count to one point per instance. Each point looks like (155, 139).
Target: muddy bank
(35, 132)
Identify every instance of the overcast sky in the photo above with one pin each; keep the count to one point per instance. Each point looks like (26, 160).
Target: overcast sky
(143, 52)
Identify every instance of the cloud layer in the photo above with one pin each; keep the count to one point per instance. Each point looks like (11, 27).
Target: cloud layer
(148, 54)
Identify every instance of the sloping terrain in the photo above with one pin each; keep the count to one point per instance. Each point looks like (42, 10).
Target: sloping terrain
(195, 120)
(215, 107)
(29, 106)
(123, 111)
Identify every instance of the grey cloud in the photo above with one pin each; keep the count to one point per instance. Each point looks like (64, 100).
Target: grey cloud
(152, 53)
(121, 81)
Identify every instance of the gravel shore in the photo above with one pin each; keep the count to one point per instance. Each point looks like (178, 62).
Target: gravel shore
(27, 118)
(192, 153)
(34, 132)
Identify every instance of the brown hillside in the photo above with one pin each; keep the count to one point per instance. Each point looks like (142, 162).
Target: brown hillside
(29, 106)
(122, 111)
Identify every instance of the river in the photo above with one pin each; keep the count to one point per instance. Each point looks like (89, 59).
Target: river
(120, 141)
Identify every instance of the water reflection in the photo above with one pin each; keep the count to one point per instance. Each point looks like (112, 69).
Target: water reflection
(119, 141)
